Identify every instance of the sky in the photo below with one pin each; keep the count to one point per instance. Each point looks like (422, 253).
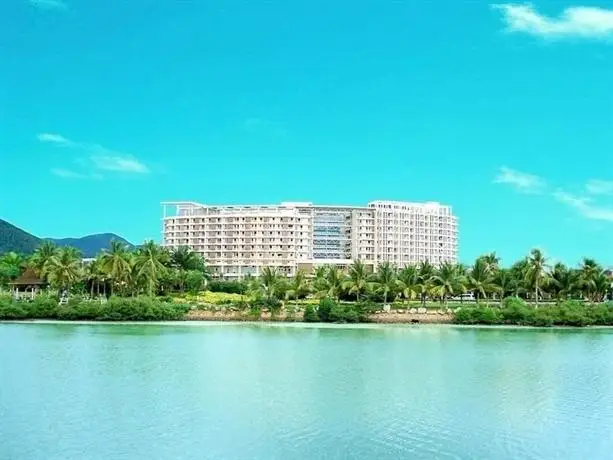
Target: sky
(502, 110)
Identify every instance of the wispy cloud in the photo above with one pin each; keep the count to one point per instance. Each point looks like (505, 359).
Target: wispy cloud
(119, 163)
(53, 138)
(70, 174)
(585, 206)
(520, 181)
(49, 4)
(96, 159)
(590, 199)
(574, 21)
(263, 125)
(599, 187)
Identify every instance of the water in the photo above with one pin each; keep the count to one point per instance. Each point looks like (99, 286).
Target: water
(280, 392)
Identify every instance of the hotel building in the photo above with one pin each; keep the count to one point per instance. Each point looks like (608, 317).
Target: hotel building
(237, 241)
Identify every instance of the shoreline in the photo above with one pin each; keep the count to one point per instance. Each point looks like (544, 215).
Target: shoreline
(302, 325)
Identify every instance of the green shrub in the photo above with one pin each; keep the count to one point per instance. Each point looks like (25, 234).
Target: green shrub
(351, 315)
(478, 315)
(310, 314)
(572, 313)
(324, 309)
(336, 314)
(542, 317)
(10, 310)
(602, 315)
(254, 313)
(463, 316)
(516, 311)
(229, 287)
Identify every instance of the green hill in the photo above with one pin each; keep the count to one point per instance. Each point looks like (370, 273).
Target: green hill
(15, 239)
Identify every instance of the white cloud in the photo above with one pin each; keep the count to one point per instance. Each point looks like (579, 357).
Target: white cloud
(98, 158)
(574, 21)
(599, 187)
(521, 181)
(70, 174)
(53, 138)
(584, 206)
(49, 4)
(119, 163)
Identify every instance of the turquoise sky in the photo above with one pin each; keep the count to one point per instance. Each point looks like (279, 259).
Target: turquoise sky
(503, 111)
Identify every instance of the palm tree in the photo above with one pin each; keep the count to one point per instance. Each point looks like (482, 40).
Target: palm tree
(185, 259)
(408, 282)
(332, 283)
(41, 256)
(11, 266)
(536, 272)
(505, 283)
(117, 264)
(563, 281)
(447, 282)
(64, 268)
(492, 262)
(480, 279)
(94, 273)
(269, 282)
(299, 285)
(150, 264)
(319, 282)
(426, 272)
(588, 276)
(386, 280)
(602, 287)
(357, 282)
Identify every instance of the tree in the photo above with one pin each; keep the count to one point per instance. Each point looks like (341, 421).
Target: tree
(357, 282)
(41, 256)
(150, 265)
(536, 272)
(447, 282)
(589, 273)
(185, 259)
(269, 282)
(408, 282)
(505, 283)
(117, 264)
(563, 281)
(602, 287)
(425, 274)
(480, 279)
(95, 275)
(11, 266)
(319, 283)
(195, 281)
(64, 268)
(386, 280)
(492, 262)
(332, 284)
(298, 286)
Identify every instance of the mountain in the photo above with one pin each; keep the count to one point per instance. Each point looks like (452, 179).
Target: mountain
(90, 245)
(15, 239)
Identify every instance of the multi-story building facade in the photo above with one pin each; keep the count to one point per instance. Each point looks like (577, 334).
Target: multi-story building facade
(237, 241)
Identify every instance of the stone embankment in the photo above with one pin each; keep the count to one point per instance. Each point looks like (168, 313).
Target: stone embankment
(411, 316)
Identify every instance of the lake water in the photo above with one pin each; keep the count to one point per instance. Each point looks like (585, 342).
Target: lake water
(223, 391)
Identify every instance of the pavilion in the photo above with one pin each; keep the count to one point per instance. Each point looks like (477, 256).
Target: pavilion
(28, 285)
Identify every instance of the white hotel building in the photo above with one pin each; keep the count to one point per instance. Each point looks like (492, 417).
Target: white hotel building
(240, 240)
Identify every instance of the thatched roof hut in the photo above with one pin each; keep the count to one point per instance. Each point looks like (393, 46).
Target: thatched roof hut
(27, 283)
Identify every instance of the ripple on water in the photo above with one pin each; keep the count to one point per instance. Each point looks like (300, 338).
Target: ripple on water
(225, 391)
